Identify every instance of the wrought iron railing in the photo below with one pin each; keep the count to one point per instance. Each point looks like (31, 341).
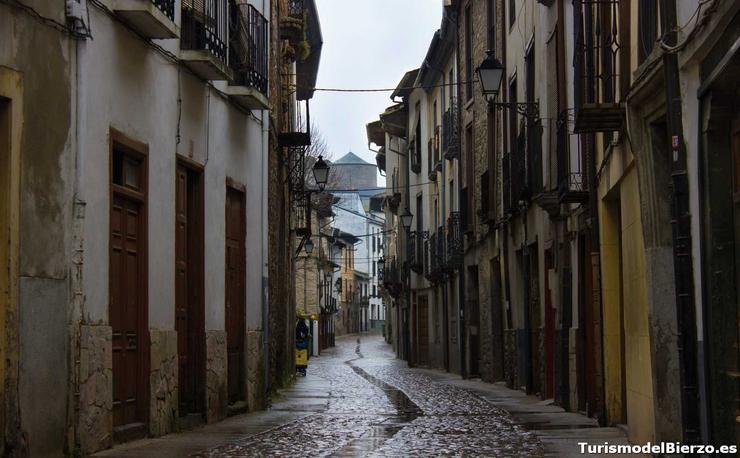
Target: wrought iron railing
(572, 179)
(205, 26)
(450, 134)
(455, 242)
(296, 8)
(601, 61)
(167, 7)
(248, 52)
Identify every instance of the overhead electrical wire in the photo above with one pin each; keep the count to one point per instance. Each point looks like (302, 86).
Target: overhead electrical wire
(392, 89)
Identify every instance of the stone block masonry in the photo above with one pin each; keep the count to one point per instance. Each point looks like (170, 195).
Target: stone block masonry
(216, 377)
(95, 424)
(163, 382)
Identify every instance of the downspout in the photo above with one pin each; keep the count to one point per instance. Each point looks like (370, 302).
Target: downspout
(461, 276)
(681, 223)
(264, 239)
(78, 218)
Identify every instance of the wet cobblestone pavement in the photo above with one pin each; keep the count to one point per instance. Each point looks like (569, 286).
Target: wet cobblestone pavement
(377, 407)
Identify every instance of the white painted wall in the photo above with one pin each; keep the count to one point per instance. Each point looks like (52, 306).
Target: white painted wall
(135, 90)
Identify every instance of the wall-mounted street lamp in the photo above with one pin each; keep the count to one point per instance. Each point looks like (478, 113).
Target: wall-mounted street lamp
(490, 74)
(308, 246)
(406, 219)
(321, 173)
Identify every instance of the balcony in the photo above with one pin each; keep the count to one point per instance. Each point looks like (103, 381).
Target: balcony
(455, 242)
(601, 63)
(203, 38)
(150, 18)
(248, 57)
(573, 189)
(392, 278)
(450, 139)
(435, 256)
(292, 23)
(572, 182)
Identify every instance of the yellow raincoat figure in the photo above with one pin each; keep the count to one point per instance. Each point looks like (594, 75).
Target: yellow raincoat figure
(301, 344)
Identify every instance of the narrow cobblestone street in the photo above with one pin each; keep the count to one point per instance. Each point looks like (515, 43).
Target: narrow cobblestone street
(357, 400)
(375, 406)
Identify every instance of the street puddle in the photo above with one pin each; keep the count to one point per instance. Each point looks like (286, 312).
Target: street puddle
(406, 412)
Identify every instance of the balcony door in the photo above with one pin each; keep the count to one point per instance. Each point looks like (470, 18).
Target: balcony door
(235, 291)
(189, 309)
(128, 309)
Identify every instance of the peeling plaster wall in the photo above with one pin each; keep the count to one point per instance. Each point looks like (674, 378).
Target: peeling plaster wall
(37, 329)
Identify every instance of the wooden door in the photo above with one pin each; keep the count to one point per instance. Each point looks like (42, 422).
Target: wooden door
(128, 295)
(422, 326)
(235, 291)
(189, 316)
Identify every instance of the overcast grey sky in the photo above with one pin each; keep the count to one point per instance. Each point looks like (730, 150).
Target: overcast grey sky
(367, 44)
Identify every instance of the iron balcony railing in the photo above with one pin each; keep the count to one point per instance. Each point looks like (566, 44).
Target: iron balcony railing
(572, 182)
(249, 41)
(440, 255)
(454, 241)
(205, 26)
(601, 62)
(167, 7)
(296, 8)
(450, 134)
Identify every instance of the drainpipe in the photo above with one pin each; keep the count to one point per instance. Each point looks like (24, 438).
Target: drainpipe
(681, 222)
(78, 228)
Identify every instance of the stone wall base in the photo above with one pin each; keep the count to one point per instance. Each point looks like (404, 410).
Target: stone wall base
(95, 417)
(216, 377)
(163, 382)
(255, 371)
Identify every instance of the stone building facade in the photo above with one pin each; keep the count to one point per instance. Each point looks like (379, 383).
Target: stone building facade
(115, 152)
(590, 189)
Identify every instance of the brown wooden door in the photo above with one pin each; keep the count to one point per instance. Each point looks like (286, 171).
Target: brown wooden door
(128, 308)
(235, 291)
(422, 326)
(189, 320)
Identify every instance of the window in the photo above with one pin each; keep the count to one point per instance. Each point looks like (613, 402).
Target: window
(648, 28)
(468, 53)
(373, 268)
(127, 170)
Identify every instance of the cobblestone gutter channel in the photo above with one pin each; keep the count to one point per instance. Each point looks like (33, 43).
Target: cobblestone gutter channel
(407, 412)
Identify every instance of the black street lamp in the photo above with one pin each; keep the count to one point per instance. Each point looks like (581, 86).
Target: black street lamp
(321, 173)
(308, 246)
(490, 74)
(406, 219)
